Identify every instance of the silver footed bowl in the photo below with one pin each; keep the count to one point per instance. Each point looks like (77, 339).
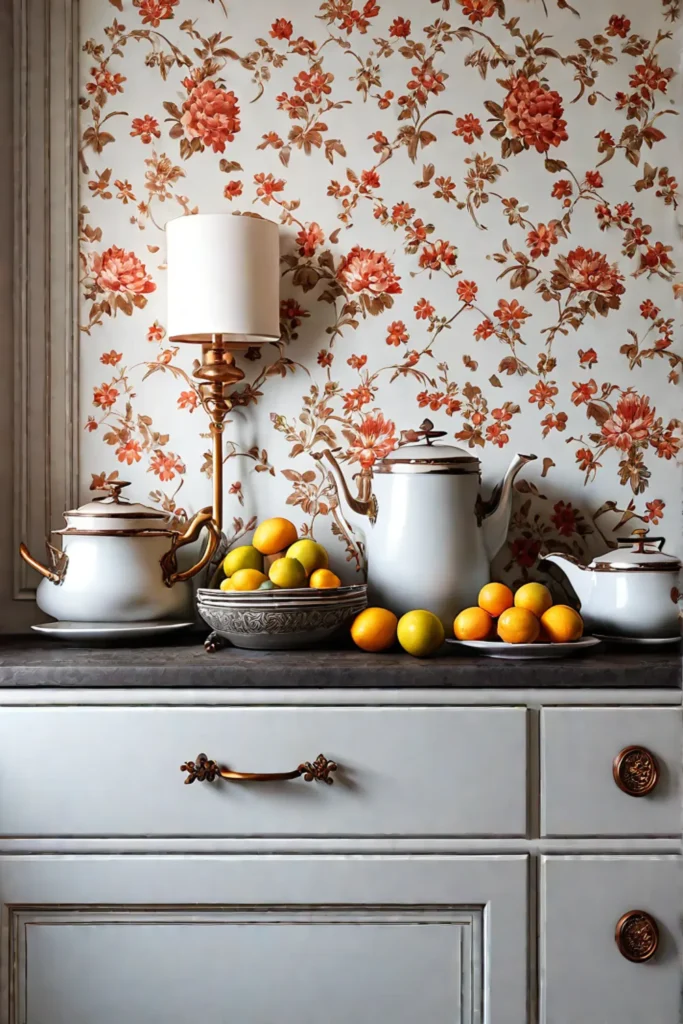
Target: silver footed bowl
(268, 620)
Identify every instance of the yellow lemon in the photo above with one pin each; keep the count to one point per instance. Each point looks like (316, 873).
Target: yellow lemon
(562, 624)
(324, 579)
(273, 535)
(374, 629)
(244, 557)
(494, 598)
(518, 626)
(227, 584)
(311, 555)
(420, 633)
(472, 624)
(534, 597)
(247, 579)
(287, 573)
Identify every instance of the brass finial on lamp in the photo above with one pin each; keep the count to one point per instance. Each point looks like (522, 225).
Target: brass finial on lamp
(223, 293)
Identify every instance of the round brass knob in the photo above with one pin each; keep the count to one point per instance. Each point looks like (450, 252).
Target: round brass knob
(635, 771)
(637, 936)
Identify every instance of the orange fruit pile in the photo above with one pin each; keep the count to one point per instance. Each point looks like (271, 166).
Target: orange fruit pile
(525, 617)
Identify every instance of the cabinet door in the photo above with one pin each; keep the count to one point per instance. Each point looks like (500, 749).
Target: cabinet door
(263, 940)
(585, 979)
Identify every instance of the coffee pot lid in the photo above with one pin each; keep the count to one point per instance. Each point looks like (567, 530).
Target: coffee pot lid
(412, 456)
(639, 551)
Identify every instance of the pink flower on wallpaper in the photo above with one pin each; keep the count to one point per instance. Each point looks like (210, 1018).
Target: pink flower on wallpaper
(210, 114)
(373, 439)
(116, 270)
(364, 270)
(187, 400)
(631, 422)
(586, 270)
(533, 114)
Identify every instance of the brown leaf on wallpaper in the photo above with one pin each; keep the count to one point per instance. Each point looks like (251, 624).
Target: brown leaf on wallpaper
(334, 236)
(470, 363)
(228, 166)
(547, 464)
(153, 248)
(427, 175)
(118, 4)
(494, 381)
(599, 413)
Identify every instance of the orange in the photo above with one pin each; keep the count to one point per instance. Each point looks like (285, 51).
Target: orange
(374, 629)
(518, 626)
(472, 624)
(494, 598)
(247, 579)
(562, 624)
(273, 535)
(324, 579)
(534, 597)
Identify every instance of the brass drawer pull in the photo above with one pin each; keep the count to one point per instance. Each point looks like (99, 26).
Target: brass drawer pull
(637, 936)
(204, 770)
(635, 771)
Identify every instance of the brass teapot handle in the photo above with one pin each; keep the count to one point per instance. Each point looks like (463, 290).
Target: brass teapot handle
(169, 563)
(60, 559)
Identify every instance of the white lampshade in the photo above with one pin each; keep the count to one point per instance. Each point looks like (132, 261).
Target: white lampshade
(223, 278)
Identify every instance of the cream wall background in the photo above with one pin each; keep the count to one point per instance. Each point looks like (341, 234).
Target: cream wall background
(478, 210)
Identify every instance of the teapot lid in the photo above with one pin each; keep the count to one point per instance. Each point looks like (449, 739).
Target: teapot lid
(637, 552)
(412, 457)
(112, 513)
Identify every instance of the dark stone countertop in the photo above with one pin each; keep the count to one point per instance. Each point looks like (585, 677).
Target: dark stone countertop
(32, 662)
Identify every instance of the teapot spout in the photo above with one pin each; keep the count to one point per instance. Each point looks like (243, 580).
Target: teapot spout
(363, 505)
(495, 513)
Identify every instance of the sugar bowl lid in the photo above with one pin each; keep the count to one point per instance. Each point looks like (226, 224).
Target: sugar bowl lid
(639, 552)
(411, 456)
(112, 513)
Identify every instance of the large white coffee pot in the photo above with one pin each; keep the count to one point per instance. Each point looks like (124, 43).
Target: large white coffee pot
(429, 535)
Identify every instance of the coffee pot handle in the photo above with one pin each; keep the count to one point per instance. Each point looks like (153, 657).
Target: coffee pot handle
(169, 563)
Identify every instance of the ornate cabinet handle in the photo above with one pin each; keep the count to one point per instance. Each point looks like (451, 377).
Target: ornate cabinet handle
(637, 936)
(635, 771)
(204, 770)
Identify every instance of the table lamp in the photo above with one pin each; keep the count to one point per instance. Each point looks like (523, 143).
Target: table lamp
(223, 294)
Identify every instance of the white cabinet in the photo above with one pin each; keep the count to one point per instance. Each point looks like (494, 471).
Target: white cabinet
(585, 979)
(264, 940)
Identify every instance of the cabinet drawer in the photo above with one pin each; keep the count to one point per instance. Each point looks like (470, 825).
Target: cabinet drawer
(402, 771)
(584, 976)
(579, 794)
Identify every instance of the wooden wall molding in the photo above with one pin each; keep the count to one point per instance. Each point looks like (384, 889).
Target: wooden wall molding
(45, 331)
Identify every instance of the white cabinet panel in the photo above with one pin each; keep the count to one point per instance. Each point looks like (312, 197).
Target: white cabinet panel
(579, 796)
(269, 940)
(584, 977)
(402, 771)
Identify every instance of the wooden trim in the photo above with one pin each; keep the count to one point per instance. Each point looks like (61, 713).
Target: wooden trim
(45, 443)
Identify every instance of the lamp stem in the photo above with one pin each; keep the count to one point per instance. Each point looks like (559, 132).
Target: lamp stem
(219, 408)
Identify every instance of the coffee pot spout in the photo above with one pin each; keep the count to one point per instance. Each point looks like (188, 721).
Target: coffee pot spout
(365, 504)
(495, 513)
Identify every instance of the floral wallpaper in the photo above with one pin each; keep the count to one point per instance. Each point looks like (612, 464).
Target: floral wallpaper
(477, 201)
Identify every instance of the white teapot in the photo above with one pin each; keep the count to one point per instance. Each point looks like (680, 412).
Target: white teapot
(430, 536)
(630, 592)
(118, 563)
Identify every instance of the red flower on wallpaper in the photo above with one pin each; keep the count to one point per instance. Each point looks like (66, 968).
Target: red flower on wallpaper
(468, 128)
(630, 423)
(533, 114)
(372, 440)
(210, 114)
(105, 80)
(564, 518)
(477, 10)
(281, 29)
(146, 127)
(397, 333)
(400, 28)
(105, 396)
(129, 452)
(165, 465)
(153, 12)
(369, 275)
(309, 238)
(120, 275)
(586, 270)
(434, 255)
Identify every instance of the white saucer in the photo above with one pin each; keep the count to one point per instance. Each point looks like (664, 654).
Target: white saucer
(109, 630)
(497, 649)
(654, 641)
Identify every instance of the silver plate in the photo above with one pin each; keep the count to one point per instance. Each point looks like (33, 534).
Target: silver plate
(498, 649)
(109, 630)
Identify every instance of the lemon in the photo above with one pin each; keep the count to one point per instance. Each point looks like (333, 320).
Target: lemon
(562, 624)
(247, 579)
(268, 585)
(472, 624)
(518, 626)
(323, 579)
(311, 555)
(420, 633)
(227, 584)
(374, 629)
(534, 597)
(287, 572)
(273, 535)
(244, 557)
